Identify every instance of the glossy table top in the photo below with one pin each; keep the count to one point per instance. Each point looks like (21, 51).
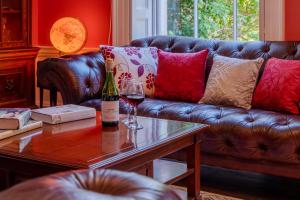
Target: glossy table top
(85, 142)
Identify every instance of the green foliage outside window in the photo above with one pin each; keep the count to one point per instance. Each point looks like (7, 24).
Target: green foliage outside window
(215, 19)
(248, 20)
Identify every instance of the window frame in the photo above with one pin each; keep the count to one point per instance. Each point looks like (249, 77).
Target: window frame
(122, 14)
(157, 11)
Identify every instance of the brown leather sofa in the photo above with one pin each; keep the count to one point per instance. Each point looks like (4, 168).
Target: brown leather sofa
(252, 140)
(90, 185)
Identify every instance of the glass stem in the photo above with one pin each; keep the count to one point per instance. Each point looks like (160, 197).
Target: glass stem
(128, 112)
(135, 114)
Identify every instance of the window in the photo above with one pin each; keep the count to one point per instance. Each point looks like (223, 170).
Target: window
(213, 19)
(242, 20)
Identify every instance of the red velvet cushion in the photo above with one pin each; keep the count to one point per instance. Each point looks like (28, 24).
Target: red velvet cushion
(180, 76)
(279, 87)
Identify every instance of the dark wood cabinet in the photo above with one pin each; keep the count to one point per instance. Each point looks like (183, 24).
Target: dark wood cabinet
(17, 57)
(17, 77)
(15, 23)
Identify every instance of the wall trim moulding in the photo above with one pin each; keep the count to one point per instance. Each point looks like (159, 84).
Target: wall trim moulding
(51, 52)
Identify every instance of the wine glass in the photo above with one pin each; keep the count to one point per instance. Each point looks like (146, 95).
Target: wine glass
(123, 96)
(135, 95)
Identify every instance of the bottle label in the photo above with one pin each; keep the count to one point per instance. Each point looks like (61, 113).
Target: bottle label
(110, 111)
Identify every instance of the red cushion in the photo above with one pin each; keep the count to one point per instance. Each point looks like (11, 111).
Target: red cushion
(279, 87)
(180, 76)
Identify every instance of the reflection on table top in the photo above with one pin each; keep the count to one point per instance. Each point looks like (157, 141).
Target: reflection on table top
(82, 143)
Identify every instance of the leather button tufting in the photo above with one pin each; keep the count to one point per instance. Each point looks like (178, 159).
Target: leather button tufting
(171, 43)
(284, 123)
(228, 142)
(263, 147)
(161, 108)
(266, 49)
(88, 83)
(90, 64)
(215, 48)
(293, 52)
(150, 43)
(192, 46)
(250, 120)
(188, 112)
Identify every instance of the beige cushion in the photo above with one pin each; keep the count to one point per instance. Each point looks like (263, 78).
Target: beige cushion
(232, 81)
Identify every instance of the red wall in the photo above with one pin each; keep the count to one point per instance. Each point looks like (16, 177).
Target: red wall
(292, 20)
(95, 14)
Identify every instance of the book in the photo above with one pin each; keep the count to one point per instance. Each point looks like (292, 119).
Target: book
(31, 125)
(61, 114)
(14, 118)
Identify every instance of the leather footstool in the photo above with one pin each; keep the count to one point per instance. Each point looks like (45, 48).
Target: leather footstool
(90, 185)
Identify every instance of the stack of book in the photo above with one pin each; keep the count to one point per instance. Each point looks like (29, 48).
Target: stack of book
(14, 121)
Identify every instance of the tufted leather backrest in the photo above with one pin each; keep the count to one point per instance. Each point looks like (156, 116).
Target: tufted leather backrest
(77, 77)
(81, 77)
(243, 50)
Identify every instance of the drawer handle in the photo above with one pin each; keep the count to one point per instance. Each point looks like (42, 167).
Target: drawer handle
(10, 85)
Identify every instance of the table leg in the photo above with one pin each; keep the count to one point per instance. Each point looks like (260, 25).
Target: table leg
(150, 169)
(53, 97)
(41, 97)
(193, 162)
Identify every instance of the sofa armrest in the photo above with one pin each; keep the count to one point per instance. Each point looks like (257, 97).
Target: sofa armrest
(77, 77)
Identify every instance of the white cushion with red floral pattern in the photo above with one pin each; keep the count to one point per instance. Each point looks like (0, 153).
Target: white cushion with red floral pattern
(133, 62)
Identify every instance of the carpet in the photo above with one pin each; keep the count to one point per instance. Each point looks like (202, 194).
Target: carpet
(181, 191)
(212, 196)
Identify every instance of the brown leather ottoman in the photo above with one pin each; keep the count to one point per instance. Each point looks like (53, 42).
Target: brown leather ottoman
(90, 185)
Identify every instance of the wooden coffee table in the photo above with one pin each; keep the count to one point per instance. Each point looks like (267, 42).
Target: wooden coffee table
(86, 144)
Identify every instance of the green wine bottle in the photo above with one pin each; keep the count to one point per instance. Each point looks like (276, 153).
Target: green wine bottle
(110, 98)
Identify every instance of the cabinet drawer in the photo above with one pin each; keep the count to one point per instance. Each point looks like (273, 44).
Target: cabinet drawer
(17, 77)
(12, 84)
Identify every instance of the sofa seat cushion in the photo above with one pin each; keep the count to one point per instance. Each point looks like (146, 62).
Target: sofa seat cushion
(249, 134)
